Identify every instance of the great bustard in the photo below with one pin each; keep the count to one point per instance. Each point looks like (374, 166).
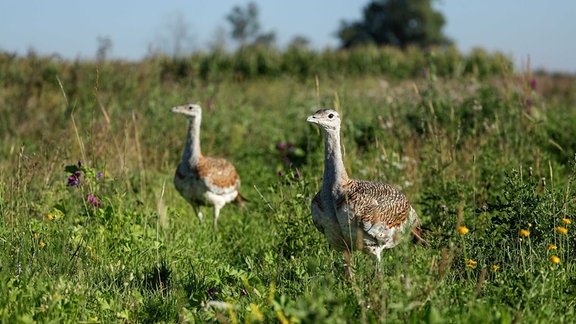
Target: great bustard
(203, 180)
(356, 214)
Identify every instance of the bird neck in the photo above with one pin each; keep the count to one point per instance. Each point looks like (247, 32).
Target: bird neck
(334, 171)
(192, 153)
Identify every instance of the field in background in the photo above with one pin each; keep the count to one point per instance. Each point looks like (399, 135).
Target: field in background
(485, 153)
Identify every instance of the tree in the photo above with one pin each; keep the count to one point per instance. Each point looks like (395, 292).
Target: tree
(104, 47)
(299, 42)
(244, 22)
(246, 26)
(396, 22)
(265, 39)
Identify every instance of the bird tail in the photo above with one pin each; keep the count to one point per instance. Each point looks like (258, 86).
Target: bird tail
(240, 200)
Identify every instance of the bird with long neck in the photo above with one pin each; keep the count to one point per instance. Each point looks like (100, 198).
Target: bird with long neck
(202, 180)
(370, 216)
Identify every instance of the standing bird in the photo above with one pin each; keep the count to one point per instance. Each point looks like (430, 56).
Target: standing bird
(356, 214)
(204, 180)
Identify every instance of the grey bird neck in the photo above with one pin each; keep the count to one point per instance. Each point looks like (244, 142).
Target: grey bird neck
(334, 171)
(192, 153)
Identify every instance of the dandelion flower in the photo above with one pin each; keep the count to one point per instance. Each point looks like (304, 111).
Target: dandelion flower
(471, 264)
(566, 221)
(42, 244)
(495, 267)
(36, 235)
(463, 230)
(89, 247)
(524, 233)
(562, 230)
(551, 247)
(50, 217)
(554, 259)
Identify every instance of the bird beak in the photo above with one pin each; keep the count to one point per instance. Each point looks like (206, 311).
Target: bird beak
(312, 119)
(174, 109)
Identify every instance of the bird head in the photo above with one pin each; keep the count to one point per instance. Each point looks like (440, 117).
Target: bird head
(326, 119)
(189, 110)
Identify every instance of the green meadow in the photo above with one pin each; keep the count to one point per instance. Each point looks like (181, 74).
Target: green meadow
(485, 152)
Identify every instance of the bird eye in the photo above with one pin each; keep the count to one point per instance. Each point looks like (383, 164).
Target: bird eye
(330, 116)
(190, 107)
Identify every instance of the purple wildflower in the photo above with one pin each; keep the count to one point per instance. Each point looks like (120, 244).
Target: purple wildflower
(92, 200)
(99, 175)
(297, 175)
(484, 207)
(211, 291)
(443, 208)
(73, 181)
(244, 292)
(79, 163)
(280, 146)
(533, 84)
(280, 172)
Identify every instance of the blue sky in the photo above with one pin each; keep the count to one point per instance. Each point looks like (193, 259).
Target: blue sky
(539, 29)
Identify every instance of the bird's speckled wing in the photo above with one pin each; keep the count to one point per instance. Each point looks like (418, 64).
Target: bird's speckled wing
(374, 203)
(219, 175)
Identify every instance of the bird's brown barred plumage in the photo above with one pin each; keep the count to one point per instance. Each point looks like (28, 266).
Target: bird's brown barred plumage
(375, 202)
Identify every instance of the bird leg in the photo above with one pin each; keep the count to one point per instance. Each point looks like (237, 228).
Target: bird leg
(198, 213)
(216, 214)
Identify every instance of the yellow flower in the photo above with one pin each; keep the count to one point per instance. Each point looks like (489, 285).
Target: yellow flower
(529, 224)
(554, 259)
(524, 233)
(50, 217)
(463, 230)
(551, 247)
(562, 230)
(471, 264)
(495, 268)
(42, 244)
(89, 247)
(36, 235)
(566, 221)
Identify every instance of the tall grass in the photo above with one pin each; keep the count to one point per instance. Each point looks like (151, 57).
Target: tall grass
(486, 155)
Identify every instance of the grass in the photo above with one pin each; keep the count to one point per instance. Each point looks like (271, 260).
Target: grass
(494, 155)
